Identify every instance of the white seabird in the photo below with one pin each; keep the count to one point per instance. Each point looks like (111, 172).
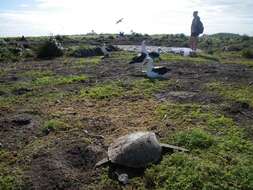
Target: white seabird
(141, 56)
(152, 54)
(105, 52)
(154, 72)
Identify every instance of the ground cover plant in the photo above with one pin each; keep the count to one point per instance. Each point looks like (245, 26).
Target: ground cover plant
(59, 115)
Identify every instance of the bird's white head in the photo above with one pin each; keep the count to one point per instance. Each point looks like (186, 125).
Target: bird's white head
(148, 60)
(143, 47)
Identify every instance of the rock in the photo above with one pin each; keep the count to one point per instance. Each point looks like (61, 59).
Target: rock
(21, 120)
(21, 91)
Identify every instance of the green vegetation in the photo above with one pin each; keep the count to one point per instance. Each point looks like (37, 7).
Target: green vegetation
(144, 87)
(233, 92)
(234, 57)
(53, 126)
(9, 54)
(247, 53)
(51, 48)
(8, 182)
(47, 80)
(65, 116)
(9, 176)
(218, 159)
(199, 59)
(122, 55)
(196, 138)
(85, 51)
(220, 155)
(105, 91)
(148, 86)
(34, 74)
(190, 115)
(88, 61)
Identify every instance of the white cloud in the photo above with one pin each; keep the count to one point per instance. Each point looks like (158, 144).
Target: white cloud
(78, 16)
(24, 5)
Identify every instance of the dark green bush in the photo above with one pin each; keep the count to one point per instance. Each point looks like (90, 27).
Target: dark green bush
(247, 53)
(8, 54)
(86, 52)
(50, 49)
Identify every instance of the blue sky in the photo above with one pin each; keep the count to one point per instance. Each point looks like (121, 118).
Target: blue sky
(45, 17)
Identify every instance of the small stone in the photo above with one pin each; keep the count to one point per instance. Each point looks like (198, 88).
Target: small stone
(21, 120)
(21, 91)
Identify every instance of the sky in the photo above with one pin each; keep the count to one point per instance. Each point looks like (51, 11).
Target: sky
(47, 17)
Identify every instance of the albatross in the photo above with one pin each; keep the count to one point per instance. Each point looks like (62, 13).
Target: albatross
(154, 72)
(105, 52)
(141, 56)
(155, 55)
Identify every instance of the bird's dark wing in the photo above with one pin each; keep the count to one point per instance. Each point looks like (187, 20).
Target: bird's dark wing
(138, 59)
(160, 70)
(154, 54)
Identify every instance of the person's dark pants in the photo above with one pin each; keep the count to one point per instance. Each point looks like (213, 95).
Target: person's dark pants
(193, 41)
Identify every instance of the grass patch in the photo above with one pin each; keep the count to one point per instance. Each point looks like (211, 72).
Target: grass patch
(144, 87)
(105, 91)
(88, 61)
(233, 92)
(58, 80)
(183, 171)
(8, 182)
(208, 57)
(220, 155)
(234, 58)
(123, 55)
(35, 98)
(148, 86)
(196, 138)
(178, 58)
(10, 177)
(218, 159)
(247, 53)
(35, 74)
(190, 115)
(53, 126)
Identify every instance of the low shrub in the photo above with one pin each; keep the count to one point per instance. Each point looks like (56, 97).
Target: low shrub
(84, 51)
(53, 125)
(50, 49)
(247, 53)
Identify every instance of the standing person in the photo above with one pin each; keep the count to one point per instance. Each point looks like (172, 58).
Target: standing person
(197, 28)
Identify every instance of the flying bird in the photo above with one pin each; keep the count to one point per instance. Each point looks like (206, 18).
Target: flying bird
(119, 21)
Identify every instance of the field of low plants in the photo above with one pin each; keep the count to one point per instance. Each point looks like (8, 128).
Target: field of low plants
(61, 106)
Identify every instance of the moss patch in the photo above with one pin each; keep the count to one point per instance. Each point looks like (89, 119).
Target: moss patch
(233, 92)
(105, 91)
(53, 126)
(88, 61)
